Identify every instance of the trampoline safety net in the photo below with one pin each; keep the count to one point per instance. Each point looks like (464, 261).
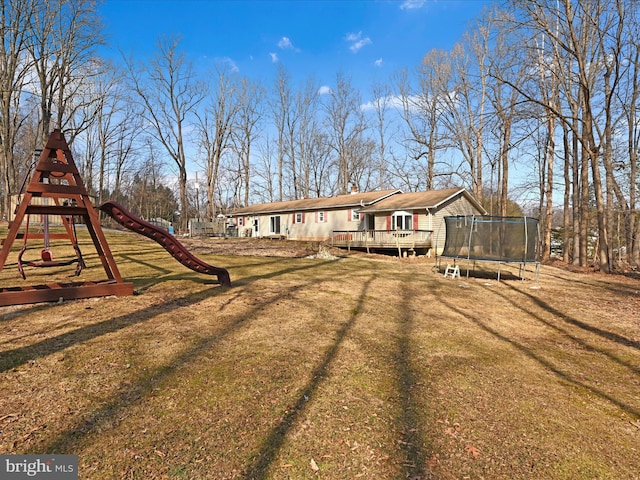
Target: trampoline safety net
(490, 238)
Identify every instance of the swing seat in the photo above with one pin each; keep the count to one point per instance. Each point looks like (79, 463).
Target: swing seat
(63, 263)
(50, 263)
(46, 255)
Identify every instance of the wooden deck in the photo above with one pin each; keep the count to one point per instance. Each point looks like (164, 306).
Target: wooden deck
(383, 239)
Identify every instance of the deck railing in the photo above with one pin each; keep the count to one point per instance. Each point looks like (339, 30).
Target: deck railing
(382, 238)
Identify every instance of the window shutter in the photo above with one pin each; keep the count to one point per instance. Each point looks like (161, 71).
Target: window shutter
(415, 221)
(302, 217)
(388, 222)
(349, 215)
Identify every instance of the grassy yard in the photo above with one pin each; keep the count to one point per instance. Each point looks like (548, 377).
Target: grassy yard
(343, 368)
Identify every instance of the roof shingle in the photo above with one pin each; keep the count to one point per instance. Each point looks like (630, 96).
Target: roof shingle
(352, 200)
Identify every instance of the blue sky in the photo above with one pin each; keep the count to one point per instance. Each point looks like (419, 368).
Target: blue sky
(368, 40)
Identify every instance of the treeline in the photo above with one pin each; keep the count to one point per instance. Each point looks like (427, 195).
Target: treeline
(536, 103)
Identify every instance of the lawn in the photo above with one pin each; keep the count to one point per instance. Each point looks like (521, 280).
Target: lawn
(335, 368)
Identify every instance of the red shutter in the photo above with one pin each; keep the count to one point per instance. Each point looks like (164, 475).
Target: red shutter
(302, 217)
(316, 217)
(415, 221)
(388, 222)
(349, 215)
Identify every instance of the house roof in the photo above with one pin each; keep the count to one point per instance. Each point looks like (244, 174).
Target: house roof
(421, 200)
(351, 200)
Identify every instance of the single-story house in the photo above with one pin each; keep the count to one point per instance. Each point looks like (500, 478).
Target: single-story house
(419, 212)
(307, 218)
(387, 219)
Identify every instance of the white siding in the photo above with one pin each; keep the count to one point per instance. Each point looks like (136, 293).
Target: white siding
(310, 228)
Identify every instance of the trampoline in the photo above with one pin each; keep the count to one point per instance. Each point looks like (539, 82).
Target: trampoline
(483, 238)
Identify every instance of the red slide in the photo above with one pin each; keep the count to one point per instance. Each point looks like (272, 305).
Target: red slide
(170, 244)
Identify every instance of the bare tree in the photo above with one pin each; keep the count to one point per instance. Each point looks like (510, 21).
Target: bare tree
(629, 104)
(587, 35)
(423, 110)
(63, 38)
(464, 93)
(454, 86)
(382, 103)
(14, 15)
(46, 56)
(249, 115)
(302, 137)
(264, 187)
(321, 183)
(345, 126)
(169, 93)
(506, 111)
(281, 106)
(549, 88)
(215, 129)
(111, 137)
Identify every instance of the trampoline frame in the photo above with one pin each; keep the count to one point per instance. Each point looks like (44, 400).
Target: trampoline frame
(471, 220)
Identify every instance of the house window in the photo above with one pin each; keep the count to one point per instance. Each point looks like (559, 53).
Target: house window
(402, 221)
(299, 217)
(322, 217)
(355, 215)
(274, 225)
(240, 221)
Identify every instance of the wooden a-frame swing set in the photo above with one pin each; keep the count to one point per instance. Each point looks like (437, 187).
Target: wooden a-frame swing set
(56, 178)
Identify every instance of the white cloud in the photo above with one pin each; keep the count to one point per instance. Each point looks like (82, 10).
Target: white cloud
(412, 4)
(390, 101)
(284, 43)
(229, 63)
(353, 37)
(356, 41)
(324, 90)
(378, 62)
(274, 57)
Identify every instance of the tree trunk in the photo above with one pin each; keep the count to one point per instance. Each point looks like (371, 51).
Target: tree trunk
(548, 215)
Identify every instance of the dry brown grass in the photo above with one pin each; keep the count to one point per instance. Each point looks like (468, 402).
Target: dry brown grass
(337, 369)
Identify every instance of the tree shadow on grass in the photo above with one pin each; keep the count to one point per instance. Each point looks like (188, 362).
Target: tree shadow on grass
(273, 443)
(614, 337)
(413, 441)
(13, 358)
(564, 375)
(604, 281)
(137, 259)
(9, 315)
(68, 440)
